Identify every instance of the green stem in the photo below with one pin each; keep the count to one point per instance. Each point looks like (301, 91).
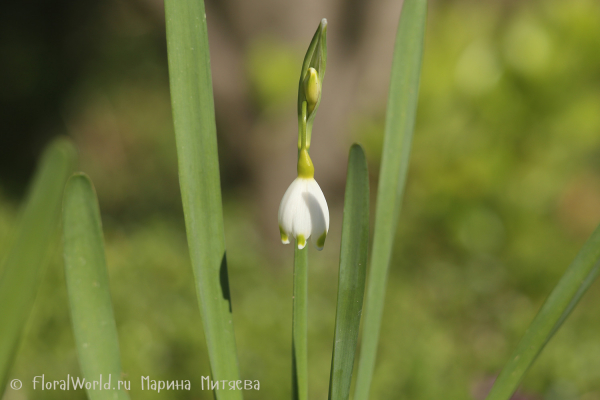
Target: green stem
(302, 134)
(308, 133)
(299, 326)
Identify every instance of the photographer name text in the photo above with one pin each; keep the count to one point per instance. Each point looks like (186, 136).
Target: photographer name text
(108, 383)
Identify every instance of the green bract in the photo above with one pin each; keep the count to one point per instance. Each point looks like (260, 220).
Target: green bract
(316, 57)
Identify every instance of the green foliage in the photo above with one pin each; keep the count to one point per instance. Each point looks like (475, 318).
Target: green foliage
(502, 192)
(577, 279)
(352, 274)
(400, 120)
(89, 294)
(36, 235)
(196, 137)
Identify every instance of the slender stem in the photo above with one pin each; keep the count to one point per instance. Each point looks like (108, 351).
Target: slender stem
(299, 326)
(302, 135)
(308, 134)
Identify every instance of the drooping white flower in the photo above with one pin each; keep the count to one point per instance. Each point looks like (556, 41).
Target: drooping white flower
(303, 213)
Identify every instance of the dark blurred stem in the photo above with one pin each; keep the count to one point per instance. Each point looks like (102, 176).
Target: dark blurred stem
(299, 327)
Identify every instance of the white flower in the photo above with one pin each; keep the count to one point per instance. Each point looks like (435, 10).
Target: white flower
(303, 213)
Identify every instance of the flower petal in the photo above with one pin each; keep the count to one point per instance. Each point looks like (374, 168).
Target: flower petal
(286, 209)
(301, 223)
(303, 213)
(319, 213)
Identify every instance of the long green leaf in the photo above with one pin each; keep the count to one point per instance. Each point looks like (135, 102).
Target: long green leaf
(399, 125)
(35, 238)
(89, 295)
(196, 137)
(353, 268)
(300, 325)
(575, 281)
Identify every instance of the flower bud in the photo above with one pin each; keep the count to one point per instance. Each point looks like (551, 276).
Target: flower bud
(312, 89)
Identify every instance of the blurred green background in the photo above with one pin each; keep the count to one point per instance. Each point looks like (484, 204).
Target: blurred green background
(503, 185)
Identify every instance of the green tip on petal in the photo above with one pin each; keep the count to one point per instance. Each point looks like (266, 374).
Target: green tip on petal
(321, 241)
(284, 237)
(301, 241)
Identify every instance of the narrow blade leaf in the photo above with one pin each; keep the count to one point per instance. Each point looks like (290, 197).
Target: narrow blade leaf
(196, 137)
(35, 238)
(351, 281)
(399, 125)
(575, 281)
(89, 295)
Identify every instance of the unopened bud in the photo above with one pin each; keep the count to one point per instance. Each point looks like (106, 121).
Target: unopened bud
(312, 89)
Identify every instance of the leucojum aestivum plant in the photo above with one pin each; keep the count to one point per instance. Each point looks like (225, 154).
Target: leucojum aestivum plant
(303, 215)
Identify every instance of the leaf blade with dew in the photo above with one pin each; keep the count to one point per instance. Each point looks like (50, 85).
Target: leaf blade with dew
(352, 274)
(399, 126)
(34, 239)
(578, 277)
(196, 138)
(92, 317)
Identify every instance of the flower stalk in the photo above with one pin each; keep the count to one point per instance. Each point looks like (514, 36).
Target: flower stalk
(303, 212)
(299, 326)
